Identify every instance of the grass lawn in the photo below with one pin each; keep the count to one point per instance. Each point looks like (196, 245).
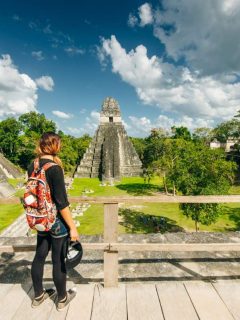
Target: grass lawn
(139, 218)
(130, 186)
(131, 218)
(142, 218)
(8, 213)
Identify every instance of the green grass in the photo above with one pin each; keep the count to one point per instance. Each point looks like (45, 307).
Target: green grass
(139, 219)
(133, 219)
(133, 186)
(9, 213)
(14, 182)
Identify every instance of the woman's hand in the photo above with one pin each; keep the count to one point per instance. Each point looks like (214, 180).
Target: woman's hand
(74, 234)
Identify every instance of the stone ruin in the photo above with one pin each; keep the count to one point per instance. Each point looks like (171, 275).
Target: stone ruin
(7, 170)
(110, 155)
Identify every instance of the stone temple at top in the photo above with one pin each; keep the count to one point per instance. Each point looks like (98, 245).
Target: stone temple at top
(110, 154)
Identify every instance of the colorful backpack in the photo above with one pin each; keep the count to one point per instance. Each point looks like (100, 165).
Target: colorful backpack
(39, 208)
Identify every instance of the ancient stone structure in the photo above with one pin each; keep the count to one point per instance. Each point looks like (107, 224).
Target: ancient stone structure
(7, 170)
(111, 154)
(227, 146)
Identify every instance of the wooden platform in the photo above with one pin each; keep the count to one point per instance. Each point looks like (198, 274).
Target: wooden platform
(168, 300)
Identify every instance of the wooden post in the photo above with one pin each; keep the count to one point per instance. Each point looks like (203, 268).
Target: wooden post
(110, 235)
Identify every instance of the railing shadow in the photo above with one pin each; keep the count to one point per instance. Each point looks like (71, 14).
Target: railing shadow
(140, 189)
(135, 221)
(18, 271)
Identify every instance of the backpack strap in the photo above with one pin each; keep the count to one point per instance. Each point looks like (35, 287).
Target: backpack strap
(37, 167)
(48, 165)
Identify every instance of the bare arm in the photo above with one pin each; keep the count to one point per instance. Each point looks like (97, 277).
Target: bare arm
(67, 216)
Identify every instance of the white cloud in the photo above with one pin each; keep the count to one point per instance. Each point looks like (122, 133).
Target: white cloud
(172, 88)
(72, 51)
(145, 14)
(204, 33)
(45, 82)
(17, 90)
(91, 122)
(142, 126)
(62, 114)
(75, 131)
(38, 55)
(132, 20)
(89, 126)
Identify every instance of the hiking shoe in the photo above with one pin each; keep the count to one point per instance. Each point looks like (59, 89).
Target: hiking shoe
(47, 293)
(71, 293)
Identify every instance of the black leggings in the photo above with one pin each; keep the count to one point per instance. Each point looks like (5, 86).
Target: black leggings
(44, 244)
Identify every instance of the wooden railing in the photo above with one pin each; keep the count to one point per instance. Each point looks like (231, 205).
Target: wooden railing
(111, 246)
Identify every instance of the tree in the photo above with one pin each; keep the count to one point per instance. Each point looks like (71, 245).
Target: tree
(153, 150)
(9, 133)
(203, 134)
(26, 149)
(181, 132)
(227, 129)
(163, 157)
(203, 171)
(204, 213)
(36, 122)
(72, 150)
(140, 146)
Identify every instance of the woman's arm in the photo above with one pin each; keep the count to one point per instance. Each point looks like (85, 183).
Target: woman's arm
(67, 216)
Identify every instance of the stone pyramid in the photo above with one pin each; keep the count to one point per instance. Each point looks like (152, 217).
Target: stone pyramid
(111, 154)
(7, 170)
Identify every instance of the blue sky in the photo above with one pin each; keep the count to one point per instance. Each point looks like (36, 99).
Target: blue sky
(166, 62)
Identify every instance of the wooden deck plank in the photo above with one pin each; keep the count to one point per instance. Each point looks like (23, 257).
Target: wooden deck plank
(109, 303)
(80, 307)
(13, 299)
(207, 302)
(143, 302)
(230, 293)
(4, 288)
(56, 315)
(26, 312)
(175, 301)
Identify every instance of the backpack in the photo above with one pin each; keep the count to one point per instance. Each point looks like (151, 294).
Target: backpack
(37, 201)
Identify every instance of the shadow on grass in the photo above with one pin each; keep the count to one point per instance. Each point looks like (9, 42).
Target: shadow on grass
(234, 215)
(135, 221)
(138, 189)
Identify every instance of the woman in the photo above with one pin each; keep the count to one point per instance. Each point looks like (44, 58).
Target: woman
(55, 239)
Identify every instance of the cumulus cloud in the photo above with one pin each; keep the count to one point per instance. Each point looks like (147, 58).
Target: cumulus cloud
(61, 114)
(176, 89)
(38, 55)
(204, 33)
(141, 126)
(89, 126)
(45, 82)
(75, 131)
(91, 122)
(145, 14)
(17, 90)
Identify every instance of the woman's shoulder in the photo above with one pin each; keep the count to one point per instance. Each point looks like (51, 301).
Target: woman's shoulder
(54, 170)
